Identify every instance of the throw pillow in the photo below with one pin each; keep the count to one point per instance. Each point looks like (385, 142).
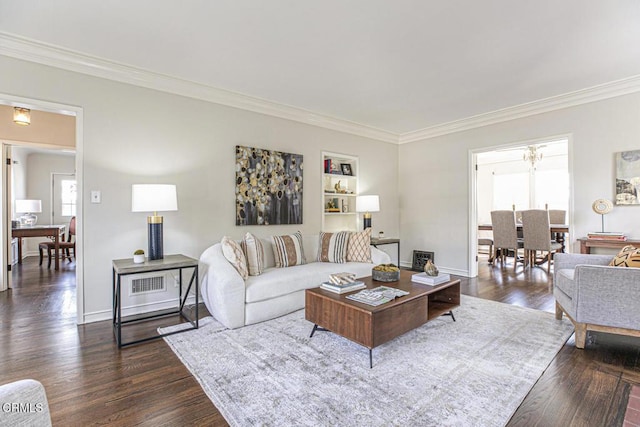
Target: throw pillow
(359, 247)
(287, 250)
(233, 253)
(629, 256)
(332, 247)
(252, 248)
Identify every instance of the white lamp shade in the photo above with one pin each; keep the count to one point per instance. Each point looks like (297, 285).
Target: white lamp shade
(367, 204)
(153, 198)
(28, 206)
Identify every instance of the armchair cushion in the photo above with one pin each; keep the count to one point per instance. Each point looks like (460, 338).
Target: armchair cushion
(628, 256)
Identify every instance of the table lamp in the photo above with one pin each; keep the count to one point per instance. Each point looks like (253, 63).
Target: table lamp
(154, 198)
(367, 204)
(28, 207)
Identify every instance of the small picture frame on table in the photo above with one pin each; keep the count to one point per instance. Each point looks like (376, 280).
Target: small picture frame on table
(346, 169)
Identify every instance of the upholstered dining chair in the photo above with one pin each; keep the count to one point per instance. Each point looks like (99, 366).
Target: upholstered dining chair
(505, 236)
(65, 247)
(485, 241)
(557, 216)
(536, 231)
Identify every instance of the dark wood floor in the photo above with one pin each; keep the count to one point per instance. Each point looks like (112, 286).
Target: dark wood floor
(90, 382)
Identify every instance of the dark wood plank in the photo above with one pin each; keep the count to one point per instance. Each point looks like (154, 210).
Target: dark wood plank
(90, 382)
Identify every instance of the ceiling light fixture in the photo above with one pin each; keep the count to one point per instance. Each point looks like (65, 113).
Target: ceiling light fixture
(532, 155)
(21, 116)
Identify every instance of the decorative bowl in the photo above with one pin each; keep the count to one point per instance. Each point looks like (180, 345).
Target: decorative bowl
(385, 276)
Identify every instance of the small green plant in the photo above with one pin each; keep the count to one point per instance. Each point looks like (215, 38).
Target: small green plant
(139, 252)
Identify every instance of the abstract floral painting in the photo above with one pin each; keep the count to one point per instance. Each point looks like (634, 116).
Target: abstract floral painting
(628, 177)
(268, 187)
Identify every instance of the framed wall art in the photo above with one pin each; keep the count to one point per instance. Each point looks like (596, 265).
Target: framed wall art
(627, 177)
(268, 187)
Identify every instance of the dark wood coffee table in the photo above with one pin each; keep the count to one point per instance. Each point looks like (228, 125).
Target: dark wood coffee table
(372, 326)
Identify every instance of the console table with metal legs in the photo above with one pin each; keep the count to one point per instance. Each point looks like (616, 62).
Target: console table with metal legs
(125, 267)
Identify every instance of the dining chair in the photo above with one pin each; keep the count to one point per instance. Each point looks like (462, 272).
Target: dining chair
(505, 236)
(557, 216)
(65, 247)
(536, 230)
(485, 241)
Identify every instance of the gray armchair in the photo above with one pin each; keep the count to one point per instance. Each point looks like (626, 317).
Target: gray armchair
(596, 297)
(24, 404)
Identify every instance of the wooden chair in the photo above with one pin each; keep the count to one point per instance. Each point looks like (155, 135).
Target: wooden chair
(65, 247)
(505, 235)
(536, 230)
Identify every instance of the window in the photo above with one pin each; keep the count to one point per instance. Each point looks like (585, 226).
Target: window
(68, 197)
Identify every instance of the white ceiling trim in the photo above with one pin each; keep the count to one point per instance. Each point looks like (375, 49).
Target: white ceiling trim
(35, 51)
(571, 99)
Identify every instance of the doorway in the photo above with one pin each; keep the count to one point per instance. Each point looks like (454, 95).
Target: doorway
(41, 113)
(526, 175)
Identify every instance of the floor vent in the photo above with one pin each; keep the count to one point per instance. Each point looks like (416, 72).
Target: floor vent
(147, 285)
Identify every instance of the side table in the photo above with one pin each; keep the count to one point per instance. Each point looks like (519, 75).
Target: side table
(125, 267)
(375, 241)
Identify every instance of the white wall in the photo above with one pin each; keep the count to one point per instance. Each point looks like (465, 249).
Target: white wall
(136, 135)
(434, 175)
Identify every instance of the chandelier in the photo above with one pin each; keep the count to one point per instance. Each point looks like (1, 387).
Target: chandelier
(532, 155)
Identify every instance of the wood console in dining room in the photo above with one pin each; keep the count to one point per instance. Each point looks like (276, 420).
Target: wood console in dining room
(586, 244)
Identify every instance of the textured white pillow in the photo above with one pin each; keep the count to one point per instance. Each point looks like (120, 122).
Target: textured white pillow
(287, 250)
(332, 247)
(233, 253)
(252, 248)
(359, 247)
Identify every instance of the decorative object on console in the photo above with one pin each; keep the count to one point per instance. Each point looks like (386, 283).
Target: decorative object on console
(628, 178)
(154, 198)
(28, 207)
(268, 187)
(430, 268)
(367, 204)
(138, 256)
(21, 116)
(602, 207)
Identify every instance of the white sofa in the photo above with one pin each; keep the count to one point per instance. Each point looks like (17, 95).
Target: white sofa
(235, 302)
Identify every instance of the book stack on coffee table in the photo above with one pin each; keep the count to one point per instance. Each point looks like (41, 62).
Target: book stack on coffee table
(424, 279)
(341, 283)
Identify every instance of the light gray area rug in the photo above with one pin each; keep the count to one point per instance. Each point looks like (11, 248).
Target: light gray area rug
(472, 372)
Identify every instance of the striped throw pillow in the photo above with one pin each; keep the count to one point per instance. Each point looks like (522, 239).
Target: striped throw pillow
(332, 247)
(252, 248)
(233, 253)
(287, 250)
(359, 247)
(628, 256)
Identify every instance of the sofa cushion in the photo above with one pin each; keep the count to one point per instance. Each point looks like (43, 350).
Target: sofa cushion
(629, 256)
(253, 251)
(359, 247)
(332, 247)
(275, 282)
(233, 253)
(288, 250)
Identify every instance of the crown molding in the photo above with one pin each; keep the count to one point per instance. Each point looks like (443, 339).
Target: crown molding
(571, 99)
(35, 51)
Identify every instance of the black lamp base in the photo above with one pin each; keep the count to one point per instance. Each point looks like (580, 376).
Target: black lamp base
(367, 223)
(155, 241)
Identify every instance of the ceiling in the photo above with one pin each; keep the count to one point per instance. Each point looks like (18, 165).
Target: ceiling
(399, 66)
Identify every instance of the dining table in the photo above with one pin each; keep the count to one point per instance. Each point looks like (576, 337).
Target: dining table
(558, 232)
(53, 232)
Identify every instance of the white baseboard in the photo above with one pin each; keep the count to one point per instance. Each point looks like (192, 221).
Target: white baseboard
(99, 316)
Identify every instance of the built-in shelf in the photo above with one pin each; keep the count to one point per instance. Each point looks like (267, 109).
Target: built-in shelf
(339, 170)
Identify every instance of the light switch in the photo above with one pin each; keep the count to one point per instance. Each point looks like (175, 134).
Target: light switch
(96, 196)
